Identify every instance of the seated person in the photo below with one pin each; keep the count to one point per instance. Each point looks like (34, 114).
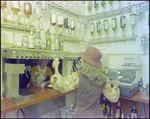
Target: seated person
(39, 73)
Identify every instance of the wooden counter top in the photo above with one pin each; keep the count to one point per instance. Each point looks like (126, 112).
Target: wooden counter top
(40, 96)
(139, 97)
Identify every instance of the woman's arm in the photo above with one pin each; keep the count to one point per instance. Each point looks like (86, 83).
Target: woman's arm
(112, 94)
(33, 82)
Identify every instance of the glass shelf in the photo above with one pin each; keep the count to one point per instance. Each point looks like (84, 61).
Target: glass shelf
(17, 27)
(23, 53)
(111, 40)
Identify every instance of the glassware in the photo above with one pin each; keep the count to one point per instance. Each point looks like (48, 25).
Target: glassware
(99, 27)
(133, 112)
(43, 41)
(89, 5)
(78, 29)
(123, 23)
(37, 40)
(96, 4)
(60, 44)
(92, 29)
(52, 40)
(67, 25)
(105, 22)
(56, 44)
(143, 112)
(15, 8)
(132, 22)
(72, 27)
(118, 110)
(48, 40)
(25, 41)
(60, 24)
(3, 6)
(103, 4)
(114, 26)
(27, 10)
(110, 3)
(31, 40)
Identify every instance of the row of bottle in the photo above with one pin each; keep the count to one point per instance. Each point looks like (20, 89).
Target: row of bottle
(108, 112)
(89, 7)
(114, 24)
(42, 41)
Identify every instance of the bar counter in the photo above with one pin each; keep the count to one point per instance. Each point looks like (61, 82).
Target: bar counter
(47, 94)
(40, 96)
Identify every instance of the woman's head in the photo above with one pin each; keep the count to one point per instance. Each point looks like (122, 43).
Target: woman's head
(92, 56)
(92, 66)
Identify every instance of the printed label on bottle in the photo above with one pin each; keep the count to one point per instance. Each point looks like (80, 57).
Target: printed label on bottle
(117, 113)
(133, 115)
(103, 108)
(108, 109)
(25, 43)
(53, 18)
(38, 42)
(43, 44)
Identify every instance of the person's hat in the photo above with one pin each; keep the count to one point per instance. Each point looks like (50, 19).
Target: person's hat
(92, 56)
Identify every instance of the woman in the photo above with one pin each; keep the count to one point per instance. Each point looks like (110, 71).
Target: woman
(39, 73)
(90, 82)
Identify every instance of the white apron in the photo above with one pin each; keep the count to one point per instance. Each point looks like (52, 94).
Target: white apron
(41, 78)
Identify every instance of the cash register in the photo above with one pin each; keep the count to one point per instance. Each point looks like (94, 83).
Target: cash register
(129, 76)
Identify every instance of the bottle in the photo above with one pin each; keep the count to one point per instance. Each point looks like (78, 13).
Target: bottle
(43, 41)
(37, 40)
(71, 107)
(103, 105)
(48, 40)
(90, 5)
(114, 24)
(108, 108)
(31, 40)
(27, 8)
(3, 4)
(128, 116)
(25, 41)
(99, 27)
(132, 21)
(110, 2)
(15, 6)
(143, 112)
(53, 19)
(56, 44)
(105, 25)
(96, 5)
(52, 42)
(92, 28)
(72, 27)
(67, 25)
(103, 3)
(133, 112)
(122, 115)
(118, 110)
(122, 22)
(60, 23)
(111, 116)
(60, 44)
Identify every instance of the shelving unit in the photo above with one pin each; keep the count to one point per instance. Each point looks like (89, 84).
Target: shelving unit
(111, 40)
